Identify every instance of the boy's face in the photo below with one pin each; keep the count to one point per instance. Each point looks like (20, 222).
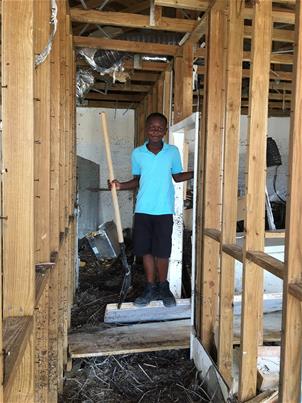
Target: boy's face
(155, 130)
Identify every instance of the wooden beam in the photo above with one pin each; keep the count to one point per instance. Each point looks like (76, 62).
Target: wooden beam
(275, 58)
(291, 347)
(111, 104)
(42, 135)
(183, 87)
(142, 76)
(18, 158)
(279, 35)
(131, 339)
(167, 102)
(127, 87)
(16, 335)
(187, 80)
(178, 89)
(230, 187)
(125, 46)
(233, 250)
(114, 97)
(130, 20)
(199, 30)
(251, 329)
(41, 373)
(211, 216)
(146, 65)
(267, 262)
(295, 290)
(198, 5)
(213, 233)
(160, 95)
(283, 16)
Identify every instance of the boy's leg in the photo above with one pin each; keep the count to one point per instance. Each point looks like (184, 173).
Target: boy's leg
(142, 247)
(161, 247)
(162, 268)
(149, 267)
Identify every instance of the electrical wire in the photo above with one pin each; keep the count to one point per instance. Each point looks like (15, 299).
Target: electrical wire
(40, 58)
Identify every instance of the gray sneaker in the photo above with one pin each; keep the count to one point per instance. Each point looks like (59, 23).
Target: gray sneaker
(166, 295)
(150, 294)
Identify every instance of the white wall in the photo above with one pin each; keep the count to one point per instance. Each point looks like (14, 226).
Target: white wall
(278, 129)
(90, 146)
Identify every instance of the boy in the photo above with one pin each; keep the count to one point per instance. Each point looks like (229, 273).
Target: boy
(153, 166)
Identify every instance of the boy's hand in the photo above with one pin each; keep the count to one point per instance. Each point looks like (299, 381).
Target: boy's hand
(115, 182)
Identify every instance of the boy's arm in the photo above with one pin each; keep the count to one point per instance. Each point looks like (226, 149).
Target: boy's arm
(183, 176)
(129, 185)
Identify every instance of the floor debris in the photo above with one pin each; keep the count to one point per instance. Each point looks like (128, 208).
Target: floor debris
(164, 377)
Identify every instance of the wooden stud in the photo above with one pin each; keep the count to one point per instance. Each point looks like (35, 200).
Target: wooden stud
(178, 89)
(212, 180)
(199, 207)
(251, 323)
(62, 201)
(18, 158)
(187, 81)
(154, 98)
(42, 134)
(41, 348)
(167, 96)
(291, 348)
(160, 95)
(230, 179)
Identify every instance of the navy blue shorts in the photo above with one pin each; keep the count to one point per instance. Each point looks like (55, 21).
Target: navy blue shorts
(152, 235)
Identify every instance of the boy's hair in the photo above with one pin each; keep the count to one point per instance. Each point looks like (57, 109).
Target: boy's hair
(157, 115)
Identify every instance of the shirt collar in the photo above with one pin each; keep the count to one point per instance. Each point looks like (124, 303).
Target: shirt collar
(146, 149)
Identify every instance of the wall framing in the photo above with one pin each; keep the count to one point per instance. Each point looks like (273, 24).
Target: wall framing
(38, 188)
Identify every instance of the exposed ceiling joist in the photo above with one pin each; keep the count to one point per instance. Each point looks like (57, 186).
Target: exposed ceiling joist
(284, 16)
(141, 76)
(124, 87)
(130, 20)
(279, 35)
(275, 57)
(110, 104)
(125, 46)
(147, 66)
(129, 65)
(134, 8)
(198, 5)
(115, 97)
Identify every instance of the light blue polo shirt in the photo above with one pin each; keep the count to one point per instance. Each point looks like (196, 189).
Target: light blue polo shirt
(156, 190)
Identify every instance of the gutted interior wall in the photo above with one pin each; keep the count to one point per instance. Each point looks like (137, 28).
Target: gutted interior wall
(90, 147)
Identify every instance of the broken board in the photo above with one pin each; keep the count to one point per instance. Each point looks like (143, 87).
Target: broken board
(131, 339)
(155, 311)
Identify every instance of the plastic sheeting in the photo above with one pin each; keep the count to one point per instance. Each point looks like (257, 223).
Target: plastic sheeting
(84, 82)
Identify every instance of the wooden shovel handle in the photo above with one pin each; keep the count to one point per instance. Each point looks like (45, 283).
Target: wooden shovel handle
(111, 177)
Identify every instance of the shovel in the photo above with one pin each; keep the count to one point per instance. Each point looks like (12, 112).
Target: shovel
(127, 278)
